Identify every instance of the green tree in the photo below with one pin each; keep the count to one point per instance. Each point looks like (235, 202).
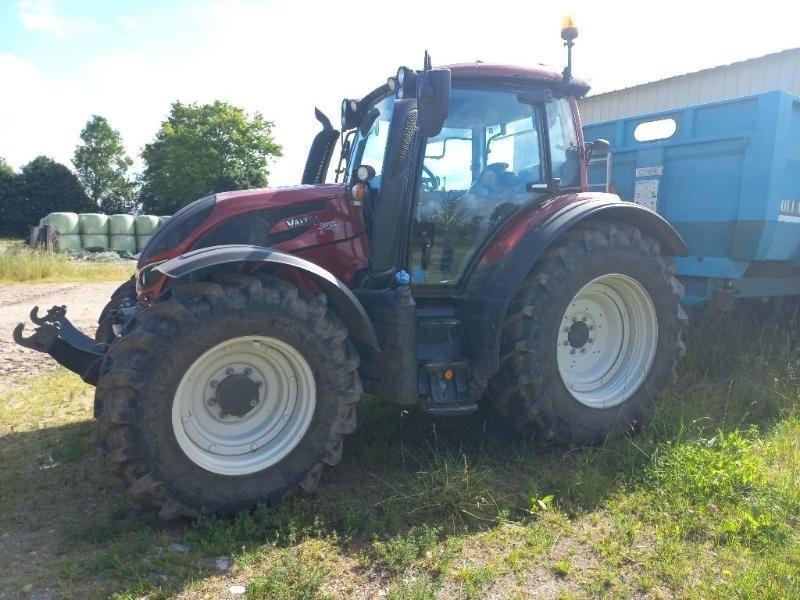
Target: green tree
(9, 192)
(204, 149)
(102, 167)
(43, 186)
(5, 168)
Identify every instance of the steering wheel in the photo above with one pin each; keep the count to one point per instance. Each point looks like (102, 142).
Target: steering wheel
(429, 181)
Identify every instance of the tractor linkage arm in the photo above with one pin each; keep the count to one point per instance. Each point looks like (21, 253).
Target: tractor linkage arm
(59, 338)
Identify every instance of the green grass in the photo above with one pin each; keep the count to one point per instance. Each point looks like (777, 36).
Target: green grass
(19, 264)
(704, 503)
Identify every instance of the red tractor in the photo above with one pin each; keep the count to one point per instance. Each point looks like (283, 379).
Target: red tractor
(461, 258)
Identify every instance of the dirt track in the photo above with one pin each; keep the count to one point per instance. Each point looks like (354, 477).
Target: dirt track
(84, 302)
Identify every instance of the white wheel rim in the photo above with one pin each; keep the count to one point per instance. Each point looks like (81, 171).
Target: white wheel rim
(607, 340)
(272, 422)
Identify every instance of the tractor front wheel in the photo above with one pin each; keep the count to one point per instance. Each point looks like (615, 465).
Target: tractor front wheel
(592, 337)
(227, 393)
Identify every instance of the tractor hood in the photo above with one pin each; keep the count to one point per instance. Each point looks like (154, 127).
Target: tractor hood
(264, 217)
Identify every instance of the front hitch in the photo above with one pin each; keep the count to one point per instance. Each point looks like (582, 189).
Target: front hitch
(59, 338)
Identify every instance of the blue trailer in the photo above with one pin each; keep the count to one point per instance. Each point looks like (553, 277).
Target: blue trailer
(727, 176)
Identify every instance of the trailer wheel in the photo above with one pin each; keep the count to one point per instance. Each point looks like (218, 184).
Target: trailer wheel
(592, 337)
(228, 393)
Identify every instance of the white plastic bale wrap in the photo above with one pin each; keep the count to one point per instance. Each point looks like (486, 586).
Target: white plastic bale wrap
(69, 242)
(64, 223)
(145, 224)
(123, 242)
(94, 241)
(121, 225)
(141, 242)
(163, 219)
(93, 224)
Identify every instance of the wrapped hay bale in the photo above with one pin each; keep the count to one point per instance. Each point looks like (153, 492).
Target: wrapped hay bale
(68, 242)
(123, 243)
(64, 223)
(145, 225)
(93, 224)
(141, 242)
(121, 225)
(164, 219)
(92, 240)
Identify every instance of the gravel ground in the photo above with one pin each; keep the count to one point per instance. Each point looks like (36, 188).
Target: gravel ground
(84, 302)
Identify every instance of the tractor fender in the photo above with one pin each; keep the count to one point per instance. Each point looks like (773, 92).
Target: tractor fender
(511, 254)
(339, 296)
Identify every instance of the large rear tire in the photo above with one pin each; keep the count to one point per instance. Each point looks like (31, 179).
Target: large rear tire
(228, 393)
(592, 338)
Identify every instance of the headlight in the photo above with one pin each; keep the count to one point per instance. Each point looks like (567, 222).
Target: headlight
(147, 276)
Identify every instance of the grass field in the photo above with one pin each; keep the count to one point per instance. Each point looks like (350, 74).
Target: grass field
(704, 503)
(18, 264)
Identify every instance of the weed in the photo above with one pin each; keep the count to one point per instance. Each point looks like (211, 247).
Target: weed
(18, 263)
(448, 488)
(562, 568)
(417, 588)
(292, 576)
(402, 550)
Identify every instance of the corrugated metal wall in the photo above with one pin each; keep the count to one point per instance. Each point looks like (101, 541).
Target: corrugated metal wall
(780, 71)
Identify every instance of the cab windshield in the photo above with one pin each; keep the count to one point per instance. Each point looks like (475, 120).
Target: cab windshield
(369, 144)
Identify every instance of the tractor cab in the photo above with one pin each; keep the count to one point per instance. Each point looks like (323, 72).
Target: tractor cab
(440, 162)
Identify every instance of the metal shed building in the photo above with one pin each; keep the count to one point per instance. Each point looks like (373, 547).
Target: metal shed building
(778, 71)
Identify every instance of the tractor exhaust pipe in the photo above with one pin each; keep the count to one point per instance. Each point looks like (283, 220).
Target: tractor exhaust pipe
(56, 336)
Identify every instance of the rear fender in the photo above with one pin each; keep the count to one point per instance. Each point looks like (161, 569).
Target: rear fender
(339, 296)
(513, 252)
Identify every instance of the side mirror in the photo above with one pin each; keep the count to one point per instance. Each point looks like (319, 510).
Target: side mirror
(433, 100)
(599, 147)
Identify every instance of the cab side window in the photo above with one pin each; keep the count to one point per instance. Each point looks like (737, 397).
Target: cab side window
(563, 143)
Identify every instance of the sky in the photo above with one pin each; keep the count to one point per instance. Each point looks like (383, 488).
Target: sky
(61, 61)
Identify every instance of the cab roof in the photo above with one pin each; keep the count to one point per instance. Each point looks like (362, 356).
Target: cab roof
(538, 75)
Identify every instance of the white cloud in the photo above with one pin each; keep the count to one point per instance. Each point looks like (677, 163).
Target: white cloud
(40, 116)
(41, 15)
(130, 23)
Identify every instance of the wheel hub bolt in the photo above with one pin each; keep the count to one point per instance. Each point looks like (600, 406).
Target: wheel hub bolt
(574, 319)
(583, 350)
(211, 401)
(572, 351)
(223, 415)
(229, 371)
(591, 340)
(214, 383)
(583, 318)
(591, 327)
(259, 383)
(253, 402)
(248, 371)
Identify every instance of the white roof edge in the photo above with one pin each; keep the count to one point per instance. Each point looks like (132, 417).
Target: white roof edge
(679, 76)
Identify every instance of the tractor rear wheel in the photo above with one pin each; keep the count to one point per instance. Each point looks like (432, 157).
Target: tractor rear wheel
(592, 337)
(227, 393)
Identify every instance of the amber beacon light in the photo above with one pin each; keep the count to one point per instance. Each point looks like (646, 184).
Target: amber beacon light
(569, 31)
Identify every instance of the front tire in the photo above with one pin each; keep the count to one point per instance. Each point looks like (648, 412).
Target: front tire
(228, 393)
(592, 337)
(105, 322)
